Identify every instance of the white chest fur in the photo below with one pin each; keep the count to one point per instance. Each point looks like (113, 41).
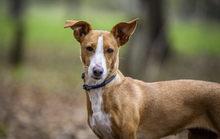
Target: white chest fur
(99, 120)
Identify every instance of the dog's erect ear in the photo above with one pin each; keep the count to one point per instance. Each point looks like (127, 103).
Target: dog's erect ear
(123, 30)
(80, 28)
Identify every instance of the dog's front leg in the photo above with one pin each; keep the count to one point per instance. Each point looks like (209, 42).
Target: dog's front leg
(128, 135)
(124, 132)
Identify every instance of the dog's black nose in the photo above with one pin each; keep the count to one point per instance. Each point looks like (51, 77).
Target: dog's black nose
(98, 71)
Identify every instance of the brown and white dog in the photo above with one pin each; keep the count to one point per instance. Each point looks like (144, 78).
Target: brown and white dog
(124, 108)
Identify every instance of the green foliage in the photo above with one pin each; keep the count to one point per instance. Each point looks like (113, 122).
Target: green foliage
(3, 129)
(194, 38)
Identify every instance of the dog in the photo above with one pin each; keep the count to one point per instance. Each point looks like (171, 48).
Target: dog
(124, 108)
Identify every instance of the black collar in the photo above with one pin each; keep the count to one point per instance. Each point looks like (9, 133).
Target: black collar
(88, 87)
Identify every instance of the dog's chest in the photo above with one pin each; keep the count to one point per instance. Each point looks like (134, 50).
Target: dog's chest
(99, 120)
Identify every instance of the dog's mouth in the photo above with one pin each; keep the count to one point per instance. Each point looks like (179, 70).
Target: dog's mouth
(96, 78)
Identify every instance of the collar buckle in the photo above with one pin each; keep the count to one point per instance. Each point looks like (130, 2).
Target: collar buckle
(87, 87)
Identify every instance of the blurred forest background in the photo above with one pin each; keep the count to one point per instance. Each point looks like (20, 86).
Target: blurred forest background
(41, 95)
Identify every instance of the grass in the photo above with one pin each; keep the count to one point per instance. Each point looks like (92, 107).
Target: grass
(3, 130)
(195, 37)
(44, 25)
(44, 28)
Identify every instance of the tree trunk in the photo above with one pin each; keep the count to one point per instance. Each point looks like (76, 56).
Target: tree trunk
(148, 46)
(158, 41)
(16, 54)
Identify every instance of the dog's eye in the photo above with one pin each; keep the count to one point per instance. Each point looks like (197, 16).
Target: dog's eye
(110, 51)
(89, 48)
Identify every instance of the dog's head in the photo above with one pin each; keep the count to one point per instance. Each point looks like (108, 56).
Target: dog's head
(100, 49)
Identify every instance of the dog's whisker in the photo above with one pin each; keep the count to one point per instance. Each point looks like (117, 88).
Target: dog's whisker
(122, 58)
(82, 68)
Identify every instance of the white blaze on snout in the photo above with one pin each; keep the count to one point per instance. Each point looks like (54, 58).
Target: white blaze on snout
(98, 59)
(99, 120)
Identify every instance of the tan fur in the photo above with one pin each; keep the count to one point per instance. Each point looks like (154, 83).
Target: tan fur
(149, 110)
